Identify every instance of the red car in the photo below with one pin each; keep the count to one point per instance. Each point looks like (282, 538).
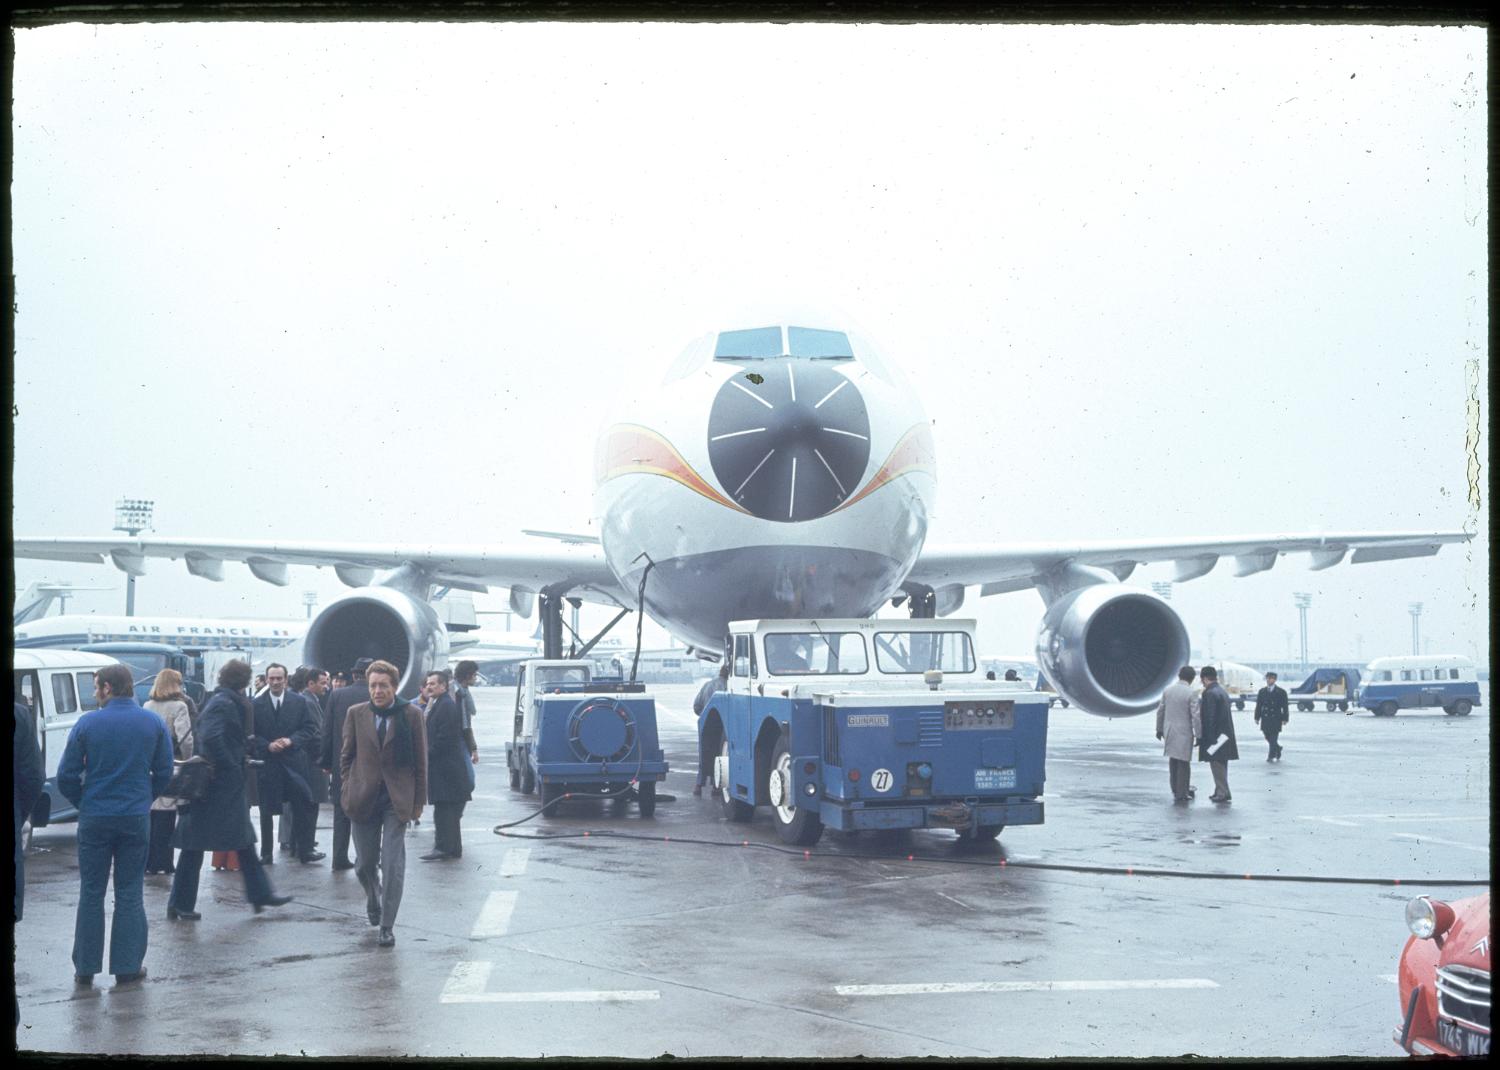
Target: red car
(1445, 978)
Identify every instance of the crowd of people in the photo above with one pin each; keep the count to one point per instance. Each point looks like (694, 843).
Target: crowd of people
(160, 786)
(1189, 717)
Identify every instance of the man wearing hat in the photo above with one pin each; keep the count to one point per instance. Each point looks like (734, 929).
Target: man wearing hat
(338, 706)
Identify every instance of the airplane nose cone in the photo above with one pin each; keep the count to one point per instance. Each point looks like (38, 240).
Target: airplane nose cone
(789, 440)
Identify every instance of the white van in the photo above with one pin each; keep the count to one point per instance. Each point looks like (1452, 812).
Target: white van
(58, 686)
(1413, 682)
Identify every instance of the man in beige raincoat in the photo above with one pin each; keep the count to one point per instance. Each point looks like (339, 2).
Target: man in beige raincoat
(1179, 725)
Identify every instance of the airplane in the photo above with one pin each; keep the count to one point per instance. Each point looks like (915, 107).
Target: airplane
(192, 634)
(774, 472)
(37, 599)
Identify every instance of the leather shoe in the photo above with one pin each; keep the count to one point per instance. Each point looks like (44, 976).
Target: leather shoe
(343, 865)
(316, 856)
(274, 901)
(435, 856)
(83, 980)
(373, 914)
(267, 860)
(173, 914)
(387, 938)
(130, 978)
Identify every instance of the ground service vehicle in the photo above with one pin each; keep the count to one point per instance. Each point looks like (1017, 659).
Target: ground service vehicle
(872, 724)
(1444, 978)
(1336, 688)
(58, 686)
(148, 659)
(581, 735)
(1411, 682)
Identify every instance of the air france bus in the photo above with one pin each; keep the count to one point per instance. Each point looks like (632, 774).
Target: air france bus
(1412, 682)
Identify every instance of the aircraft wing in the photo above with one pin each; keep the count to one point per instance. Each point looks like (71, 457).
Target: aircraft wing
(578, 569)
(1000, 569)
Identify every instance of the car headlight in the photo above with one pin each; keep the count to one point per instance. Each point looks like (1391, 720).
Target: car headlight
(1427, 918)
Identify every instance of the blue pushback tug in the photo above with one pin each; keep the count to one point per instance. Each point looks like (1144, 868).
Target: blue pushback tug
(576, 734)
(872, 724)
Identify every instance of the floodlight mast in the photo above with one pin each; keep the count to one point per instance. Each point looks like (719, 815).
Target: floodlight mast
(1303, 600)
(132, 516)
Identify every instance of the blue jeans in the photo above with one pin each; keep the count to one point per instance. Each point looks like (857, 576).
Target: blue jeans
(102, 842)
(184, 895)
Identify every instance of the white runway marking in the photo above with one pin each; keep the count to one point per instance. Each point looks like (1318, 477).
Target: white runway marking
(514, 862)
(943, 988)
(1392, 978)
(468, 981)
(494, 918)
(1447, 843)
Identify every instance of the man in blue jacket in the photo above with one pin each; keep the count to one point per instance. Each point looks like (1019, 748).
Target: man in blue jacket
(118, 758)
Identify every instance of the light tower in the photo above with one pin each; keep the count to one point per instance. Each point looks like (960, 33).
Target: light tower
(1303, 600)
(1415, 609)
(309, 599)
(132, 516)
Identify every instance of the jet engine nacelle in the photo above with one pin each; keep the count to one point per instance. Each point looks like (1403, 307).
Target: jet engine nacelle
(382, 623)
(1111, 650)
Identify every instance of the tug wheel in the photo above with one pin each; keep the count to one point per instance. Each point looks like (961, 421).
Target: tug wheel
(988, 832)
(528, 781)
(645, 795)
(550, 794)
(794, 824)
(515, 779)
(734, 809)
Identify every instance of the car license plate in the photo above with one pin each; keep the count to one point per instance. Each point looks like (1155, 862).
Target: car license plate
(1456, 1038)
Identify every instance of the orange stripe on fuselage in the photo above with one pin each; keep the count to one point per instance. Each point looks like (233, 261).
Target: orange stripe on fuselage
(626, 449)
(914, 453)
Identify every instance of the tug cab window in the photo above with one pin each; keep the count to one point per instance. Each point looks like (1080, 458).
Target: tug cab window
(916, 652)
(744, 657)
(816, 654)
(755, 344)
(819, 345)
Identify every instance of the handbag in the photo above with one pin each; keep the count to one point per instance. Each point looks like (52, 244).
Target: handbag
(190, 779)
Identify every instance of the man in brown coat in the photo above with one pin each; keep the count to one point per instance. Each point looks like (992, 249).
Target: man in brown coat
(383, 769)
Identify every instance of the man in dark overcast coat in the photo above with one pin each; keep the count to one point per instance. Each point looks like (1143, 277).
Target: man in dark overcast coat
(287, 732)
(335, 709)
(1217, 722)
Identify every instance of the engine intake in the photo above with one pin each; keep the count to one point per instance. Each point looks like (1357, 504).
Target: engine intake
(1111, 650)
(379, 622)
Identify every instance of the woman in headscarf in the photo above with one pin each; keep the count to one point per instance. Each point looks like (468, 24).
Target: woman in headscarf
(169, 703)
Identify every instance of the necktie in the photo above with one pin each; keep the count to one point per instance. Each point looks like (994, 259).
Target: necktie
(380, 729)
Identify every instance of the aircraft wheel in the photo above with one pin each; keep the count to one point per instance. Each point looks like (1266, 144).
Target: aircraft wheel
(794, 824)
(1386, 709)
(1462, 707)
(733, 808)
(645, 795)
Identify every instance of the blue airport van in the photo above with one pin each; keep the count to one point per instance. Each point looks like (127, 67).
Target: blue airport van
(1413, 682)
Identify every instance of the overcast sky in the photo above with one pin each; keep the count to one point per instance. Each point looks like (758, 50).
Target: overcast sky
(385, 283)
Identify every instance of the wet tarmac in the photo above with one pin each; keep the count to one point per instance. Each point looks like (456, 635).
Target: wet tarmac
(880, 945)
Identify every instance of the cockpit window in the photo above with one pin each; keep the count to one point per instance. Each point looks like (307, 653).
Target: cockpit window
(748, 345)
(826, 345)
